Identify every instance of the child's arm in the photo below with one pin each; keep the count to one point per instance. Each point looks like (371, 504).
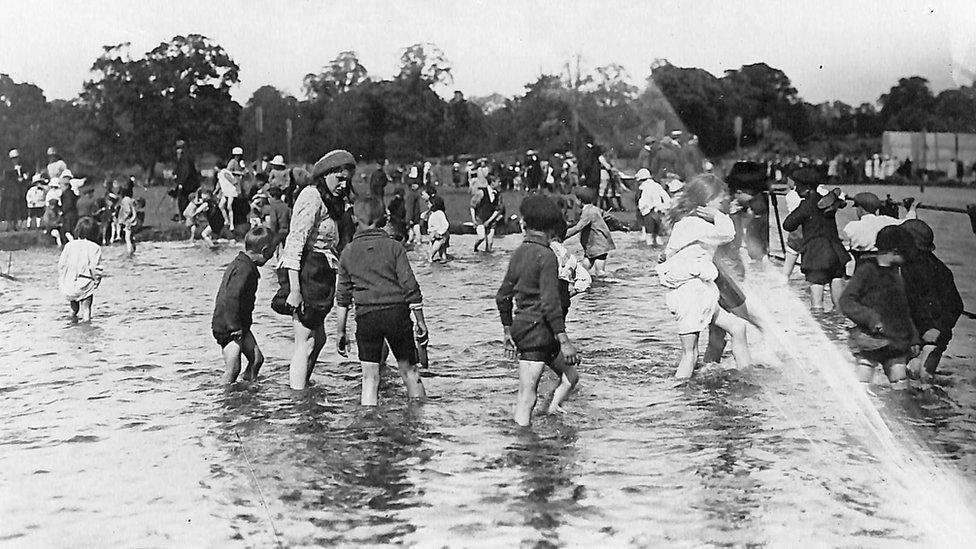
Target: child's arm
(850, 302)
(406, 278)
(584, 220)
(342, 340)
(503, 300)
(796, 217)
(552, 306)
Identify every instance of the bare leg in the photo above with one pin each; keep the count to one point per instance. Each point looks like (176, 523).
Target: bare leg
(86, 308)
(689, 355)
(489, 239)
(816, 297)
(232, 361)
(318, 343)
(369, 394)
(897, 372)
(599, 267)
(253, 354)
(299, 369)
(716, 344)
(130, 245)
(75, 307)
(205, 236)
(736, 327)
(410, 373)
(568, 379)
(529, 374)
(836, 290)
(788, 264)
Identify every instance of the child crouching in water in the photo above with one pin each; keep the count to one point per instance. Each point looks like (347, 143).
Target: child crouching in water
(375, 274)
(535, 335)
(876, 300)
(79, 269)
(234, 306)
(698, 228)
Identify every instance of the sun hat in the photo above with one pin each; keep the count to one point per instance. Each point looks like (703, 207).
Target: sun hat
(37, 178)
(14, 153)
(51, 150)
(921, 232)
(237, 151)
(867, 201)
(332, 161)
(278, 160)
(643, 174)
(67, 174)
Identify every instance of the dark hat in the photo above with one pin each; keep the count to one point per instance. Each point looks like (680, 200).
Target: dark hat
(868, 202)
(921, 232)
(332, 161)
(807, 178)
(893, 238)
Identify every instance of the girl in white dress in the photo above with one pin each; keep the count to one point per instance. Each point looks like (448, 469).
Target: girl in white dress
(79, 269)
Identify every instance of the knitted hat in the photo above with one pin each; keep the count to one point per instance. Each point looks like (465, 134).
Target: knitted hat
(332, 161)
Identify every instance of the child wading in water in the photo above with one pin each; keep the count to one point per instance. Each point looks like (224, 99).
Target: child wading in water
(594, 234)
(234, 306)
(79, 270)
(875, 299)
(438, 229)
(374, 273)
(536, 334)
(699, 228)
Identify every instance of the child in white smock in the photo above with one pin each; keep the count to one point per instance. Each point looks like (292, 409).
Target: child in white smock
(699, 228)
(79, 269)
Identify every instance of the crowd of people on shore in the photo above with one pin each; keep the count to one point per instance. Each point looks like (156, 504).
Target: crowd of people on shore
(337, 249)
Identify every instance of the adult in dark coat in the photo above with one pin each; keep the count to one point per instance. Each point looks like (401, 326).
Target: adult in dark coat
(749, 187)
(187, 178)
(378, 180)
(823, 257)
(590, 166)
(533, 172)
(13, 192)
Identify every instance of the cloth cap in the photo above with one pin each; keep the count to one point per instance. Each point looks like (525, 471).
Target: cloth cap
(332, 161)
(921, 232)
(14, 153)
(894, 239)
(807, 178)
(278, 160)
(237, 151)
(643, 174)
(868, 201)
(51, 150)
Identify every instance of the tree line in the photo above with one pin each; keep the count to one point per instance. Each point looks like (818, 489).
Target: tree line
(133, 108)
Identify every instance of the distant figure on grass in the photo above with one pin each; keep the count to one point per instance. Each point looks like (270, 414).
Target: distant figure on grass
(823, 255)
(876, 300)
(35, 201)
(79, 269)
(535, 335)
(375, 274)
(932, 298)
(197, 214)
(234, 306)
(487, 209)
(594, 233)
(699, 227)
(651, 206)
(127, 218)
(438, 230)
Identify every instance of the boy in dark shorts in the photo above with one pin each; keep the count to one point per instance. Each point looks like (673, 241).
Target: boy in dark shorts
(875, 299)
(536, 334)
(375, 274)
(235, 303)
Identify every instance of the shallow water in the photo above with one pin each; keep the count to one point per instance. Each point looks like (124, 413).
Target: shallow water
(118, 433)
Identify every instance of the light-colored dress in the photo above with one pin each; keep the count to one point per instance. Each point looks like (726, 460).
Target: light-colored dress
(311, 230)
(79, 269)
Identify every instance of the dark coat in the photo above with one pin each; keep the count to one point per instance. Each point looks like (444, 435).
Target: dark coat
(822, 249)
(187, 176)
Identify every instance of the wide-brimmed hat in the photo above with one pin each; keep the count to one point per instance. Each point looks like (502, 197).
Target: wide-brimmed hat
(38, 178)
(643, 174)
(51, 151)
(237, 151)
(332, 161)
(14, 153)
(180, 144)
(278, 160)
(67, 174)
(921, 232)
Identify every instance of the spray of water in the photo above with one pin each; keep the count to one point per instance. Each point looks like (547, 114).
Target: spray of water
(942, 504)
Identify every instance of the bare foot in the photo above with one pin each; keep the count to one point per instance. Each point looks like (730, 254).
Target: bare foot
(556, 410)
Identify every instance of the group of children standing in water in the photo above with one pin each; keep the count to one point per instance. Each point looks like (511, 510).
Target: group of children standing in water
(894, 320)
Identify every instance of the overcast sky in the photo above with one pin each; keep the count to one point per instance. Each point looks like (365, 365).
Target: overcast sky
(847, 50)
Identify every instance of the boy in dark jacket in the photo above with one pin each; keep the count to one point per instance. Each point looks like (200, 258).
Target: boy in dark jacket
(932, 297)
(234, 306)
(823, 257)
(536, 334)
(876, 300)
(375, 274)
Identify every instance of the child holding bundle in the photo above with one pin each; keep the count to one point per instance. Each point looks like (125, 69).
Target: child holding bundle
(699, 227)
(534, 329)
(79, 268)
(594, 233)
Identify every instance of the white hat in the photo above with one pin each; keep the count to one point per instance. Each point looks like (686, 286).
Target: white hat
(675, 185)
(237, 151)
(642, 174)
(13, 153)
(67, 174)
(37, 178)
(77, 184)
(278, 160)
(51, 150)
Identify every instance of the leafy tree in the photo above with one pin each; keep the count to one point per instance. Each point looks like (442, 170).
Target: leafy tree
(908, 106)
(339, 76)
(428, 62)
(957, 109)
(139, 106)
(695, 99)
(276, 108)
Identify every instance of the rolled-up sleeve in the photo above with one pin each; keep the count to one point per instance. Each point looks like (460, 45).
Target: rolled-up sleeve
(303, 220)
